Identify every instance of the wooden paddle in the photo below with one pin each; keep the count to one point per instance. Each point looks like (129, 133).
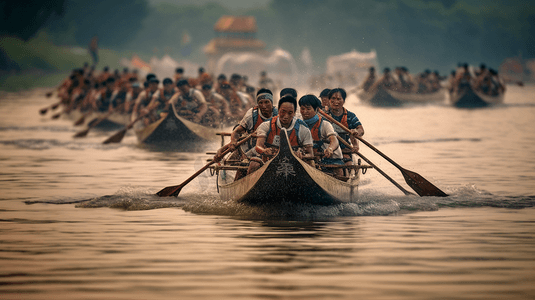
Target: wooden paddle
(53, 106)
(118, 137)
(92, 124)
(82, 119)
(376, 167)
(419, 184)
(175, 190)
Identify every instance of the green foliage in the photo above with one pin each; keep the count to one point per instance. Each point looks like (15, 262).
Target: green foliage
(23, 20)
(115, 22)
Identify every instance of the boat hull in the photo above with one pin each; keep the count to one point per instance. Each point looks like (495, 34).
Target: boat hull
(286, 178)
(173, 129)
(469, 98)
(112, 122)
(385, 98)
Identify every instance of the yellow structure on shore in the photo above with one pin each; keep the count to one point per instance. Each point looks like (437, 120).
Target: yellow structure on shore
(233, 34)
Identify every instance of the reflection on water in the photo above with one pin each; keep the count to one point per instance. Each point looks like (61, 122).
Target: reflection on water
(79, 220)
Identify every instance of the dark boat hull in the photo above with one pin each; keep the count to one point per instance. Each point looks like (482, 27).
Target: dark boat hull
(468, 98)
(286, 178)
(174, 129)
(384, 98)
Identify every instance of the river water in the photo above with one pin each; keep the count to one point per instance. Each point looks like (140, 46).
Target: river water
(79, 220)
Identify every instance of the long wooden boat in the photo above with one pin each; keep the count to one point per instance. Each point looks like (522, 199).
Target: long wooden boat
(470, 98)
(286, 178)
(383, 97)
(174, 129)
(112, 122)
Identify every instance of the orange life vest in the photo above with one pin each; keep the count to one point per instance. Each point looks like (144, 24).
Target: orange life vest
(274, 131)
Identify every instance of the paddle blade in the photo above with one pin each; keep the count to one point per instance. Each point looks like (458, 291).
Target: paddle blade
(116, 138)
(421, 185)
(80, 121)
(43, 110)
(170, 191)
(82, 133)
(92, 122)
(56, 116)
(56, 105)
(49, 94)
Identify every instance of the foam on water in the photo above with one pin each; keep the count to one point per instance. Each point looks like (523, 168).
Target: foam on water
(203, 200)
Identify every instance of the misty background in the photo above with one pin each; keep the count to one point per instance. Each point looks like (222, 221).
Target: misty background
(418, 34)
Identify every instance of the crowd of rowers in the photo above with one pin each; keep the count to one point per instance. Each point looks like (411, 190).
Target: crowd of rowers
(312, 137)
(201, 99)
(484, 79)
(402, 81)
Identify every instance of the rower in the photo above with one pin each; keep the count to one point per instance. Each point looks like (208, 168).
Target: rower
(268, 134)
(159, 103)
(387, 81)
(263, 111)
(204, 78)
(220, 80)
(217, 105)
(370, 79)
(337, 98)
(235, 103)
(132, 95)
(179, 74)
(103, 100)
(324, 96)
(120, 96)
(145, 97)
(266, 82)
(323, 134)
(190, 102)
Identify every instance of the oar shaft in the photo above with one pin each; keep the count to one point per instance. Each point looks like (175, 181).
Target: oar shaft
(376, 167)
(360, 139)
(175, 190)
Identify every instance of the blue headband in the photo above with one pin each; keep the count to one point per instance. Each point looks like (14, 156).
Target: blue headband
(264, 96)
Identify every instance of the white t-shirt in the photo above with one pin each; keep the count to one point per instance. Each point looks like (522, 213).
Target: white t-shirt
(326, 131)
(195, 98)
(247, 120)
(304, 138)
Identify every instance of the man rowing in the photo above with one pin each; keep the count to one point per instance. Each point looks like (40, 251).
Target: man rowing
(268, 134)
(323, 134)
(159, 104)
(103, 100)
(190, 102)
(237, 107)
(254, 117)
(337, 98)
(144, 99)
(370, 79)
(218, 107)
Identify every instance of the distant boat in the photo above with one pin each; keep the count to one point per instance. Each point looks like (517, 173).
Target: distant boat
(174, 129)
(383, 97)
(469, 98)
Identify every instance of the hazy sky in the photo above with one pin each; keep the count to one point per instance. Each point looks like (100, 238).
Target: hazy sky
(231, 4)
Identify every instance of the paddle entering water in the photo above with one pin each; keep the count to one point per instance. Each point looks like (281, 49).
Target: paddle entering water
(419, 184)
(53, 106)
(82, 119)
(376, 168)
(92, 124)
(118, 137)
(175, 189)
